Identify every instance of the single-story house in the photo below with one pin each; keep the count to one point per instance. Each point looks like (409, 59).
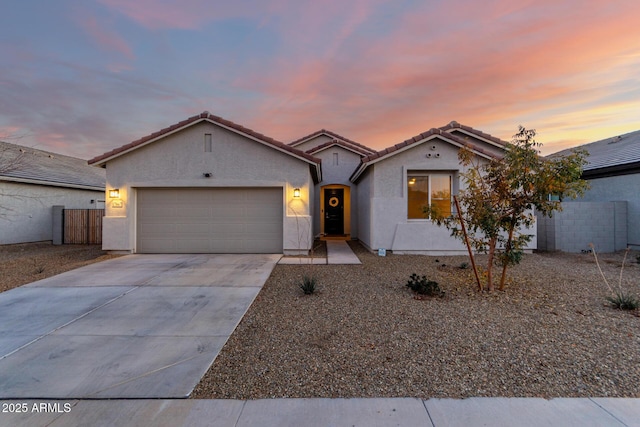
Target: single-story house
(209, 185)
(609, 212)
(32, 181)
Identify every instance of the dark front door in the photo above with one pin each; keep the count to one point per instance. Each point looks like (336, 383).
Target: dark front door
(333, 211)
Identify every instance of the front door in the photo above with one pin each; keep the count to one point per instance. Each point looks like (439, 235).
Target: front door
(334, 211)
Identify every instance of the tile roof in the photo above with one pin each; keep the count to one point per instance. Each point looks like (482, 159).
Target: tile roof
(331, 143)
(620, 152)
(204, 116)
(355, 145)
(453, 125)
(25, 164)
(442, 132)
(421, 137)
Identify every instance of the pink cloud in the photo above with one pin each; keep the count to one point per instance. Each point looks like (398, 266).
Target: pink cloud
(168, 14)
(522, 62)
(106, 38)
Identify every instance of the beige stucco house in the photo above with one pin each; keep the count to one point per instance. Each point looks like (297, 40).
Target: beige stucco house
(209, 185)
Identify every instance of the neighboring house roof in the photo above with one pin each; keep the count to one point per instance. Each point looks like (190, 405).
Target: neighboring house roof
(418, 139)
(619, 155)
(33, 166)
(337, 140)
(229, 125)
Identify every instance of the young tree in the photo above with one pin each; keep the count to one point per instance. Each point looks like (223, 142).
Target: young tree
(499, 197)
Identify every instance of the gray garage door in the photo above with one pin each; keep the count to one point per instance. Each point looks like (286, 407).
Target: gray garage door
(211, 220)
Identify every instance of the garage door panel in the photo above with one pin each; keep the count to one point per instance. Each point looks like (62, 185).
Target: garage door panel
(212, 220)
(230, 211)
(155, 245)
(156, 230)
(230, 230)
(193, 229)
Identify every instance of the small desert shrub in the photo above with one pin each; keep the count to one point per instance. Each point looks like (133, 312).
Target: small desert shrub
(423, 286)
(619, 298)
(624, 301)
(308, 285)
(464, 265)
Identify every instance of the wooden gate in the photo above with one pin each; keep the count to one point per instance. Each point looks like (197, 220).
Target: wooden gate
(83, 226)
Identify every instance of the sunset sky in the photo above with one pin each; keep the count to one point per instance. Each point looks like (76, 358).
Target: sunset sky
(81, 77)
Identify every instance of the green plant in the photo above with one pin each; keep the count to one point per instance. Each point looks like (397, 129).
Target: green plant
(308, 285)
(464, 265)
(624, 301)
(421, 285)
(620, 299)
(494, 207)
(37, 268)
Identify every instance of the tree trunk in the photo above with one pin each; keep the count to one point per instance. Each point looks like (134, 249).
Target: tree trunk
(505, 264)
(466, 241)
(492, 251)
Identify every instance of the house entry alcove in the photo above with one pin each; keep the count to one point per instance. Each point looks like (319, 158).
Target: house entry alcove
(335, 205)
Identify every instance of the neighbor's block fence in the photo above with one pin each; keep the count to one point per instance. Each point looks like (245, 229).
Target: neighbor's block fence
(580, 223)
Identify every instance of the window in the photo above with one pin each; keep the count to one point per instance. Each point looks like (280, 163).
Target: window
(427, 190)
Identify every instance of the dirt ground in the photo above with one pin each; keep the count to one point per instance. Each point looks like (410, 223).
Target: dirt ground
(27, 262)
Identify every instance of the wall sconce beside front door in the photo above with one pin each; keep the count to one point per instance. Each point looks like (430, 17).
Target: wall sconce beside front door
(296, 192)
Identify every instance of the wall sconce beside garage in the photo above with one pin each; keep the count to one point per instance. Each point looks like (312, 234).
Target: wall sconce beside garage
(114, 193)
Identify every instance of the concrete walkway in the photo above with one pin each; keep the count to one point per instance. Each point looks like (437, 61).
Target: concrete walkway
(410, 412)
(139, 326)
(339, 252)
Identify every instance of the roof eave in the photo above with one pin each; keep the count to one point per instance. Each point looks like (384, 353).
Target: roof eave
(339, 144)
(51, 183)
(617, 170)
(107, 157)
(399, 148)
(98, 161)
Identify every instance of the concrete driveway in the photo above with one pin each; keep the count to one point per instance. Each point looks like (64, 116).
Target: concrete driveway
(139, 326)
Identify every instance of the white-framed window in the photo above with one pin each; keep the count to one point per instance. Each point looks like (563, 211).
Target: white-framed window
(428, 191)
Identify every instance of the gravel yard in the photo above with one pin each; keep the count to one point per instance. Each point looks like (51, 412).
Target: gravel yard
(27, 262)
(550, 334)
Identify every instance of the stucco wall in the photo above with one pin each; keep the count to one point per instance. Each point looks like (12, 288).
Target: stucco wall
(365, 190)
(580, 223)
(390, 228)
(179, 160)
(26, 213)
(624, 187)
(337, 174)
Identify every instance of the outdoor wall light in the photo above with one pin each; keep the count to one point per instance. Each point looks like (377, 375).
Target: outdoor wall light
(114, 194)
(296, 192)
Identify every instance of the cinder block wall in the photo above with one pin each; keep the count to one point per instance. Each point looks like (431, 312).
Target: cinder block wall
(579, 223)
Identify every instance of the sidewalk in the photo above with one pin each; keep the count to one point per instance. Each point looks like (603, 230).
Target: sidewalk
(529, 412)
